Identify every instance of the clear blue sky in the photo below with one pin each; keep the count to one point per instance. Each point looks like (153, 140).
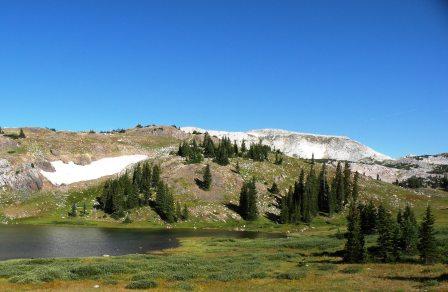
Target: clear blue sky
(376, 71)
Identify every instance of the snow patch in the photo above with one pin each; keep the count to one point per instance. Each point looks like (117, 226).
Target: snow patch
(68, 173)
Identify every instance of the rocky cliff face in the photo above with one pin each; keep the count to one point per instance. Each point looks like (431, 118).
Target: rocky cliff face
(24, 178)
(302, 145)
(404, 168)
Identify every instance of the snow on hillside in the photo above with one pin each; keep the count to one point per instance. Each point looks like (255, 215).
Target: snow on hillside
(68, 173)
(301, 144)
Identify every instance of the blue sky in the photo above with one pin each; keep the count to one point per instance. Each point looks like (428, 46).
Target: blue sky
(376, 71)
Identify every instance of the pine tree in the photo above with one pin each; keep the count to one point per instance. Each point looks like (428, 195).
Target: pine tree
(368, 218)
(137, 178)
(155, 176)
(355, 190)
(243, 207)
(237, 167)
(243, 148)
(338, 189)
(386, 239)
(222, 155)
(235, 149)
(274, 189)
(308, 200)
(22, 134)
(284, 210)
(325, 200)
(165, 203)
(145, 183)
(347, 181)
(354, 251)
(409, 231)
(427, 245)
(311, 190)
(207, 178)
(185, 213)
(195, 154)
(209, 146)
(73, 211)
(84, 210)
(252, 209)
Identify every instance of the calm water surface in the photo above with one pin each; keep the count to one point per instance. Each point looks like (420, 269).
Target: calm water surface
(28, 241)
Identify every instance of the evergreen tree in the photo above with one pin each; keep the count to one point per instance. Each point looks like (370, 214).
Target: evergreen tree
(252, 209)
(354, 251)
(368, 218)
(355, 190)
(338, 189)
(284, 210)
(243, 207)
(145, 182)
(311, 190)
(347, 181)
(278, 158)
(235, 149)
(209, 146)
(1, 131)
(308, 201)
(84, 210)
(387, 245)
(237, 167)
(184, 149)
(325, 200)
(185, 213)
(222, 155)
(207, 178)
(195, 154)
(73, 211)
(274, 189)
(409, 231)
(427, 245)
(137, 178)
(243, 147)
(155, 176)
(22, 134)
(165, 203)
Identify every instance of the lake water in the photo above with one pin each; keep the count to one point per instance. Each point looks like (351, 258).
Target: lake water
(28, 241)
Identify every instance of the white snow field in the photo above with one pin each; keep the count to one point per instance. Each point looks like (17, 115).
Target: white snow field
(68, 173)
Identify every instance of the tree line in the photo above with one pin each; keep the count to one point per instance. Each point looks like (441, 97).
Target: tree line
(314, 194)
(434, 182)
(396, 237)
(222, 151)
(144, 187)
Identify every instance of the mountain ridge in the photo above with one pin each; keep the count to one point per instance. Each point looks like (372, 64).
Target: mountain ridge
(303, 145)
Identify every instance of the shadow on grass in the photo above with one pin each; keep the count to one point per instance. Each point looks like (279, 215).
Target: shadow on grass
(273, 217)
(421, 279)
(234, 207)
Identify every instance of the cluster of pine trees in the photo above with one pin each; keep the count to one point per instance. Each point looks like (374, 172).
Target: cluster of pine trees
(397, 237)
(248, 201)
(129, 191)
(314, 194)
(223, 150)
(435, 182)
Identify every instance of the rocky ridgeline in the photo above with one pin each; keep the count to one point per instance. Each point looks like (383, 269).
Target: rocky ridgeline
(404, 168)
(301, 145)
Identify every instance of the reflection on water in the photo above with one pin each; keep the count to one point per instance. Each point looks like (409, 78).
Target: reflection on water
(27, 241)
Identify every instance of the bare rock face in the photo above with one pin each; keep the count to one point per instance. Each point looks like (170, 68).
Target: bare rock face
(300, 144)
(24, 178)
